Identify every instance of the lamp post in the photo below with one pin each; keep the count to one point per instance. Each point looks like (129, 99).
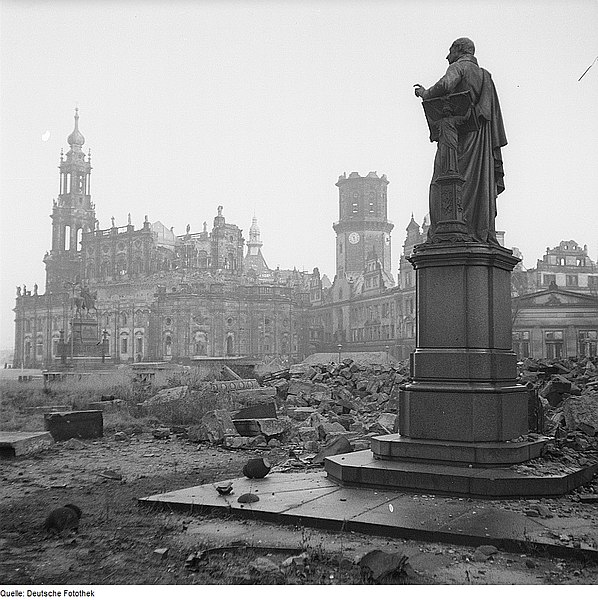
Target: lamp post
(104, 340)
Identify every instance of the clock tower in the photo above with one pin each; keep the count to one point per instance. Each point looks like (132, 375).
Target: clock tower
(363, 225)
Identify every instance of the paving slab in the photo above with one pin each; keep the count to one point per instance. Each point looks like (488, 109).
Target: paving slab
(19, 443)
(315, 500)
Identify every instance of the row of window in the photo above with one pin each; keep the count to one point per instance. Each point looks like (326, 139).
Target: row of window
(554, 343)
(570, 280)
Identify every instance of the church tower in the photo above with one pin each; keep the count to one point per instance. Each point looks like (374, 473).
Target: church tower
(363, 225)
(72, 214)
(254, 259)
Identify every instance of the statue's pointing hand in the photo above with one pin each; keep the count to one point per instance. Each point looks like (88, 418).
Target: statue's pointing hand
(419, 90)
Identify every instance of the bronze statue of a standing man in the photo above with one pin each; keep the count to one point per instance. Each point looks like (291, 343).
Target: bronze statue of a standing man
(479, 158)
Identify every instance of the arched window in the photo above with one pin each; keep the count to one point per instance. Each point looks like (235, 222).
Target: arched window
(67, 237)
(79, 238)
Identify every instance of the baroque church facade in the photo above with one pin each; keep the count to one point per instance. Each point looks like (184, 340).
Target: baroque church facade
(157, 296)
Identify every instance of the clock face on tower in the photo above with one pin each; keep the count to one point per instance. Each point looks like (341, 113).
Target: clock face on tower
(353, 238)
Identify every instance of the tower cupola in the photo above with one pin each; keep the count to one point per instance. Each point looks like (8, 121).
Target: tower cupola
(76, 138)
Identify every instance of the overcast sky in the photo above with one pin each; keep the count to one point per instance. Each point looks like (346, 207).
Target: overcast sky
(260, 106)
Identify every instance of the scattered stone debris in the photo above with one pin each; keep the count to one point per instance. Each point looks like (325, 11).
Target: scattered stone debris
(248, 498)
(161, 553)
(110, 474)
(62, 519)
(161, 433)
(225, 489)
(378, 565)
(298, 562)
(484, 553)
(74, 444)
(264, 566)
(168, 395)
(257, 468)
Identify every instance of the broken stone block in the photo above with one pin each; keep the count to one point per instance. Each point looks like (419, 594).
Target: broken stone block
(86, 424)
(293, 400)
(237, 441)
(120, 436)
(257, 411)
(74, 444)
(13, 443)
(325, 429)
(483, 553)
(264, 566)
(377, 564)
(581, 410)
(319, 397)
(300, 413)
(161, 433)
(311, 446)
(359, 445)
(197, 433)
(161, 553)
(298, 562)
(307, 434)
(218, 424)
(168, 395)
(387, 421)
(337, 445)
(271, 427)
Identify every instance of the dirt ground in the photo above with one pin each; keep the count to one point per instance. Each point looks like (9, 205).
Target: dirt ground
(117, 540)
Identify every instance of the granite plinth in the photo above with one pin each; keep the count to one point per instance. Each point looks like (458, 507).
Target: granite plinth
(16, 443)
(477, 454)
(362, 469)
(464, 386)
(458, 412)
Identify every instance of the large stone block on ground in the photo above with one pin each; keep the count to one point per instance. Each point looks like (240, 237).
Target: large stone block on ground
(581, 412)
(338, 445)
(218, 424)
(23, 443)
(83, 424)
(257, 411)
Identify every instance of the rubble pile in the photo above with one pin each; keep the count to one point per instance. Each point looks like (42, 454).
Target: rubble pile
(563, 405)
(321, 409)
(566, 394)
(355, 401)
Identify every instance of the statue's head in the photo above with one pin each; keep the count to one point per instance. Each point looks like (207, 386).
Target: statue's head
(460, 47)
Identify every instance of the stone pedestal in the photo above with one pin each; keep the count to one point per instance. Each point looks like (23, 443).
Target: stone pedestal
(462, 412)
(464, 369)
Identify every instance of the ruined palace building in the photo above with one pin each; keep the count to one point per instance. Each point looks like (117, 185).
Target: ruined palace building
(158, 296)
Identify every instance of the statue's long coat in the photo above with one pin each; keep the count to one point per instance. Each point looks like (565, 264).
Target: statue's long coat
(479, 152)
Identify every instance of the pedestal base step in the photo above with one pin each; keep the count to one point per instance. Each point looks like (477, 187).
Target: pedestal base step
(362, 469)
(477, 454)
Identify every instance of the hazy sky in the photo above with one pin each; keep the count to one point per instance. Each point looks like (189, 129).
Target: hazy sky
(260, 106)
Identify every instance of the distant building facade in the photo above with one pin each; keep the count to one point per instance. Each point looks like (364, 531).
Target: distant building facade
(158, 296)
(161, 296)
